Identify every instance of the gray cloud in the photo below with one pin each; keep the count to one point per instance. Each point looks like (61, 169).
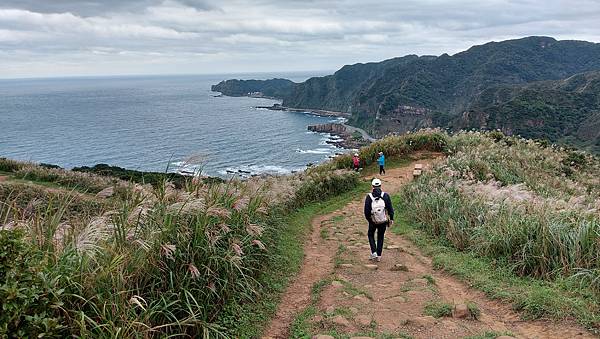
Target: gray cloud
(65, 37)
(94, 7)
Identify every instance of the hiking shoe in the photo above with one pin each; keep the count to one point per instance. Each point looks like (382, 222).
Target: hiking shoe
(379, 259)
(373, 256)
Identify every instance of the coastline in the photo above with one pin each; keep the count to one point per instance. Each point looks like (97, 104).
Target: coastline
(318, 112)
(352, 137)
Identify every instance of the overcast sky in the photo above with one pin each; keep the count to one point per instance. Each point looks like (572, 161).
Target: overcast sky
(106, 37)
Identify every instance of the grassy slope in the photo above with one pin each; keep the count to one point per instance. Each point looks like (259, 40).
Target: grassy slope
(535, 298)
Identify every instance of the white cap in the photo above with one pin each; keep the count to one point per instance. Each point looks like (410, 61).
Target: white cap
(376, 182)
(355, 154)
(380, 152)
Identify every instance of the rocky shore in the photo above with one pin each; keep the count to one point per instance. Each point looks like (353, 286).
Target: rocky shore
(319, 112)
(349, 138)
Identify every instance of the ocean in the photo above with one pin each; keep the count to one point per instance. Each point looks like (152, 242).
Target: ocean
(155, 123)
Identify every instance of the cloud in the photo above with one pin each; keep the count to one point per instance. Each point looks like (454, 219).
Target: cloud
(94, 7)
(199, 36)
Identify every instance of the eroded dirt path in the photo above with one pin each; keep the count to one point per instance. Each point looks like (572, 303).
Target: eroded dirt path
(384, 297)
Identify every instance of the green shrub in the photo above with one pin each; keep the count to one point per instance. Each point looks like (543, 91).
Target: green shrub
(438, 309)
(7, 165)
(153, 178)
(575, 159)
(30, 298)
(396, 146)
(495, 135)
(70, 179)
(319, 184)
(474, 310)
(26, 201)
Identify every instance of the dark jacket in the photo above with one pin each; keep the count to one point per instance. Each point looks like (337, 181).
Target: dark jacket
(388, 204)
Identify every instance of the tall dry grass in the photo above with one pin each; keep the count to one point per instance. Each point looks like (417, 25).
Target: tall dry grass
(152, 262)
(515, 200)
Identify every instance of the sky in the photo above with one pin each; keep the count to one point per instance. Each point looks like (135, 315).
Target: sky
(47, 38)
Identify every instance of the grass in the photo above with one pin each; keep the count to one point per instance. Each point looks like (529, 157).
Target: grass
(517, 218)
(46, 184)
(534, 298)
(203, 260)
(438, 309)
(284, 265)
(430, 279)
(338, 258)
(337, 219)
(474, 310)
(354, 291)
(489, 335)
(324, 232)
(398, 147)
(392, 162)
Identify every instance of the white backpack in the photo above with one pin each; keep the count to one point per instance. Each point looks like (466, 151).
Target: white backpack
(378, 212)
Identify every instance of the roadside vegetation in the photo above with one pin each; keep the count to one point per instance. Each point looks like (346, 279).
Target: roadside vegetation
(145, 261)
(517, 218)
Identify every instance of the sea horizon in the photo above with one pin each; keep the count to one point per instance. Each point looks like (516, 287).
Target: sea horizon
(154, 123)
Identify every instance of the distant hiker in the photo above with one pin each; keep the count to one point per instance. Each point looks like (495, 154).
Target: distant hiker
(355, 162)
(381, 162)
(379, 212)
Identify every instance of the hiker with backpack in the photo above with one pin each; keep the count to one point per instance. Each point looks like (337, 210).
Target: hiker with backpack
(381, 162)
(356, 162)
(379, 212)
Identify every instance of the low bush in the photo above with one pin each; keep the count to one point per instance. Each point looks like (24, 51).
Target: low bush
(30, 296)
(438, 309)
(318, 185)
(397, 146)
(8, 165)
(70, 179)
(153, 178)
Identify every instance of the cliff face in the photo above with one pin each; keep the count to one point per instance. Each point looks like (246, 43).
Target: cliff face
(274, 88)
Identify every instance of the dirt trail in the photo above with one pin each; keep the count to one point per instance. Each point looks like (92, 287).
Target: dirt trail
(383, 299)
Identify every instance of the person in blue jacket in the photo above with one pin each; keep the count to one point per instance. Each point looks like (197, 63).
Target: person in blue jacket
(381, 162)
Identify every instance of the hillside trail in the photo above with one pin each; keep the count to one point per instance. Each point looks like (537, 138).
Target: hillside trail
(379, 298)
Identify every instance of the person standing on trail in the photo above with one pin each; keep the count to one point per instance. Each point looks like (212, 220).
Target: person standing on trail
(381, 162)
(355, 162)
(379, 212)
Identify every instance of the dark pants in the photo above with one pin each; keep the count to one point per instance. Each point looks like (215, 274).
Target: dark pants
(381, 170)
(380, 233)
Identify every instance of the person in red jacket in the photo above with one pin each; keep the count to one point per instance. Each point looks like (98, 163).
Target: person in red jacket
(355, 162)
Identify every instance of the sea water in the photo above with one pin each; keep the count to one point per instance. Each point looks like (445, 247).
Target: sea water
(155, 123)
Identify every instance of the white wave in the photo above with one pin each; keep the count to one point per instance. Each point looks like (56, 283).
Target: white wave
(328, 139)
(315, 151)
(248, 170)
(339, 120)
(185, 168)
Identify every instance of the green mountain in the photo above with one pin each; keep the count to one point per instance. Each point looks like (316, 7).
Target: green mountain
(437, 88)
(275, 88)
(537, 87)
(566, 110)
